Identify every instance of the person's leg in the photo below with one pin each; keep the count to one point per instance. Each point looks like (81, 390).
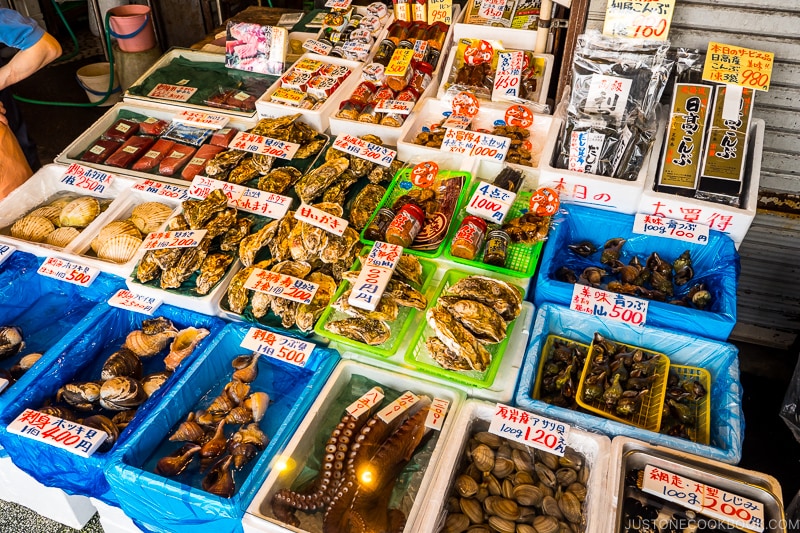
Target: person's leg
(20, 129)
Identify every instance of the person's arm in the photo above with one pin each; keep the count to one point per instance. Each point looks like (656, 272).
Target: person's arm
(28, 61)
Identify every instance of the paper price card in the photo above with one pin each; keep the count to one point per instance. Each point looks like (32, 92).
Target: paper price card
(365, 150)
(490, 203)
(436, 414)
(440, 11)
(529, 429)
(5, 252)
(293, 351)
(709, 501)
(383, 255)
(643, 19)
(177, 93)
(258, 144)
(125, 299)
(401, 59)
(340, 5)
(507, 76)
(86, 179)
(313, 45)
(176, 192)
(398, 107)
(282, 286)
(492, 9)
(160, 240)
(202, 120)
(243, 198)
(364, 404)
(397, 407)
(680, 230)
(735, 65)
(609, 305)
(71, 436)
(458, 122)
(475, 144)
(369, 287)
(320, 219)
(77, 274)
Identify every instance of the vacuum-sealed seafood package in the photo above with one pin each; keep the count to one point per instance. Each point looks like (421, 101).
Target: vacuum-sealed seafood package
(100, 150)
(178, 156)
(198, 162)
(121, 130)
(130, 151)
(154, 156)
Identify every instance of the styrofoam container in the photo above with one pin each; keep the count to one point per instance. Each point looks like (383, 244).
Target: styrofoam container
(733, 221)
(476, 416)
(72, 153)
(113, 519)
(316, 118)
(259, 517)
(512, 38)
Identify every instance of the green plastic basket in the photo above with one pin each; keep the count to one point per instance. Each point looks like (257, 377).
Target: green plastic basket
(700, 408)
(521, 259)
(419, 357)
(401, 185)
(399, 326)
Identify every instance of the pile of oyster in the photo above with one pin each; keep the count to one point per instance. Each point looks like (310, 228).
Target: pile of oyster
(119, 240)
(110, 402)
(507, 487)
(203, 432)
(468, 316)
(681, 401)
(57, 223)
(563, 364)
(11, 343)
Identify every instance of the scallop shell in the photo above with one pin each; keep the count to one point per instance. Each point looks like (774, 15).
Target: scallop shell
(32, 228)
(50, 212)
(120, 248)
(149, 216)
(62, 236)
(79, 212)
(112, 229)
(60, 202)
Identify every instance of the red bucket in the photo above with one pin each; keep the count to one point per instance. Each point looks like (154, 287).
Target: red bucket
(132, 26)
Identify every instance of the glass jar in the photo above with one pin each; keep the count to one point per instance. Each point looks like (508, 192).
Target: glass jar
(422, 76)
(405, 226)
(376, 231)
(437, 32)
(496, 248)
(362, 93)
(469, 238)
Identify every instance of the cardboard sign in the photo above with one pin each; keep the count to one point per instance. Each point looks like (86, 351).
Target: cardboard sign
(5, 252)
(397, 407)
(75, 273)
(440, 11)
(160, 240)
(313, 45)
(365, 150)
(175, 192)
(609, 305)
(282, 286)
(490, 203)
(735, 65)
(508, 75)
(529, 429)
(436, 414)
(370, 399)
(70, 436)
(642, 19)
(176, 93)
(86, 179)
(139, 303)
(200, 119)
(476, 144)
(243, 198)
(293, 351)
(321, 219)
(608, 94)
(401, 60)
(258, 144)
(674, 229)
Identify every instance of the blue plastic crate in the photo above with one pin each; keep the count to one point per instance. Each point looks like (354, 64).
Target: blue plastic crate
(160, 503)
(716, 264)
(720, 359)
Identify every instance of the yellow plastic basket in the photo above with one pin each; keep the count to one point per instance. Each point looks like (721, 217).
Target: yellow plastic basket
(546, 355)
(701, 408)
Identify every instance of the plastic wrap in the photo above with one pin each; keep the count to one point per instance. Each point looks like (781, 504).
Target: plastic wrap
(716, 264)
(160, 503)
(720, 359)
(789, 411)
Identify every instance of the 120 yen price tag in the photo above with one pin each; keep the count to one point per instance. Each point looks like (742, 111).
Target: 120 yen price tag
(529, 429)
(86, 179)
(293, 351)
(65, 434)
(610, 305)
(54, 267)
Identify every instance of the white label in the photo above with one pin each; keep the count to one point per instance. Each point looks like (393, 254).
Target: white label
(476, 144)
(130, 149)
(529, 429)
(258, 144)
(293, 351)
(86, 179)
(74, 273)
(436, 414)
(608, 94)
(609, 305)
(122, 127)
(420, 46)
(175, 192)
(125, 299)
(508, 75)
(397, 107)
(70, 436)
(458, 122)
(491, 203)
(370, 399)
(732, 102)
(492, 9)
(340, 5)
(317, 47)
(709, 501)
(5, 252)
(201, 119)
(584, 151)
(673, 229)
(369, 287)
(321, 219)
(397, 407)
(364, 150)
(177, 93)
(152, 154)
(383, 255)
(282, 286)
(243, 198)
(159, 240)
(357, 48)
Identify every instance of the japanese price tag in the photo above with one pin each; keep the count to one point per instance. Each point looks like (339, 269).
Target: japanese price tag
(70, 436)
(313, 45)
(320, 219)
(258, 144)
(5, 252)
(281, 285)
(674, 229)
(608, 94)
(735, 65)
(293, 351)
(200, 119)
(490, 203)
(609, 305)
(643, 19)
(397, 407)
(159, 240)
(420, 45)
(476, 144)
(86, 179)
(492, 9)
(709, 501)
(436, 414)
(458, 122)
(398, 107)
(401, 59)
(125, 299)
(508, 75)
(243, 198)
(377, 269)
(74, 273)
(363, 405)
(175, 192)
(440, 11)
(529, 429)
(339, 5)
(365, 150)
(177, 93)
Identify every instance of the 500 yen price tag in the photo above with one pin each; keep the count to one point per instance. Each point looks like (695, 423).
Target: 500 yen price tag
(86, 179)
(610, 305)
(529, 429)
(54, 267)
(71, 436)
(125, 299)
(293, 351)
(173, 239)
(364, 404)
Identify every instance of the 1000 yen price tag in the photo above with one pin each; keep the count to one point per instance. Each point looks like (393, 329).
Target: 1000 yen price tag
(365, 150)
(86, 179)
(173, 239)
(491, 203)
(397, 407)
(293, 351)
(436, 414)
(77, 274)
(321, 219)
(674, 229)
(370, 399)
(125, 299)
(258, 144)
(70, 436)
(281, 286)
(177, 93)
(476, 144)
(5, 252)
(529, 429)
(609, 305)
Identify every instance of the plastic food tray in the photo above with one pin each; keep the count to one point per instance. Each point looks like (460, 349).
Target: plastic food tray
(545, 357)
(419, 357)
(701, 408)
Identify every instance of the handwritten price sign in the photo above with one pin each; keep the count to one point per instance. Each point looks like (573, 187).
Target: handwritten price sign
(399, 107)
(436, 414)
(86, 179)
(397, 407)
(173, 239)
(610, 305)
(440, 11)
(139, 303)
(70, 436)
(401, 59)
(492, 9)
(529, 429)
(176, 93)
(475, 144)
(175, 192)
(735, 65)
(243, 198)
(364, 404)
(258, 144)
(365, 150)
(320, 219)
(490, 203)
(680, 230)
(54, 267)
(643, 19)
(374, 277)
(293, 351)
(282, 286)
(5, 252)
(507, 76)
(202, 120)
(313, 45)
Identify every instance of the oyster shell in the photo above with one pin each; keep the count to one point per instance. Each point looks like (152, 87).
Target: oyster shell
(503, 297)
(198, 212)
(62, 236)
(237, 294)
(211, 271)
(457, 338)
(308, 314)
(221, 222)
(364, 204)
(386, 309)
(444, 356)
(167, 257)
(273, 126)
(148, 268)
(244, 171)
(220, 164)
(409, 267)
(366, 330)
(251, 244)
(112, 229)
(177, 223)
(310, 148)
(189, 262)
(234, 235)
(482, 321)
(149, 216)
(32, 228)
(294, 240)
(285, 309)
(119, 248)
(263, 163)
(279, 179)
(11, 341)
(183, 345)
(145, 345)
(153, 382)
(80, 212)
(279, 245)
(121, 393)
(123, 362)
(315, 182)
(337, 192)
(340, 247)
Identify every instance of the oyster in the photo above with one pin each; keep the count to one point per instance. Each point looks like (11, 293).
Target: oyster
(178, 223)
(121, 393)
(167, 257)
(279, 245)
(10, 341)
(409, 267)
(279, 179)
(123, 362)
(221, 222)
(220, 164)
(244, 171)
(503, 297)
(63, 236)
(148, 268)
(364, 204)
(271, 127)
(315, 182)
(250, 245)
(198, 212)
(80, 212)
(183, 345)
(366, 330)
(444, 357)
(386, 310)
(286, 310)
(238, 295)
(339, 247)
(235, 234)
(380, 173)
(310, 148)
(149, 216)
(263, 163)
(294, 240)
(360, 167)
(401, 292)
(190, 261)
(482, 321)
(337, 192)
(457, 338)
(308, 314)
(153, 382)
(32, 228)
(211, 271)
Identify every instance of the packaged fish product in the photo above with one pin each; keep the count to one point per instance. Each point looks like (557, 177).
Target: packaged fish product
(121, 130)
(178, 156)
(100, 150)
(223, 137)
(130, 151)
(153, 126)
(153, 157)
(198, 162)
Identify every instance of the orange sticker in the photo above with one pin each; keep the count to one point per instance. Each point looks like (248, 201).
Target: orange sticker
(424, 174)
(544, 202)
(519, 115)
(466, 104)
(477, 53)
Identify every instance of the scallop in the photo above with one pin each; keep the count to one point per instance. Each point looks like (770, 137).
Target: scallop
(62, 236)
(119, 248)
(149, 216)
(112, 229)
(50, 212)
(32, 228)
(80, 212)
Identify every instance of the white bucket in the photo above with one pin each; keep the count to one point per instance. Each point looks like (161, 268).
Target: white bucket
(94, 80)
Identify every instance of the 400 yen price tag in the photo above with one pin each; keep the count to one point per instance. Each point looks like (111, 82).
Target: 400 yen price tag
(293, 351)
(173, 239)
(86, 179)
(54, 267)
(610, 305)
(71, 436)
(529, 429)
(281, 285)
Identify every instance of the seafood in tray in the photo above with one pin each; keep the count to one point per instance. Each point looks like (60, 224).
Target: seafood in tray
(119, 240)
(58, 221)
(309, 83)
(520, 149)
(12, 342)
(562, 363)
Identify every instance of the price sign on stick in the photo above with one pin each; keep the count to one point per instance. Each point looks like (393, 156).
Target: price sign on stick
(639, 19)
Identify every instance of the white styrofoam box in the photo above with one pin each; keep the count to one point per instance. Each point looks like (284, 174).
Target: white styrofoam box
(113, 519)
(431, 111)
(512, 38)
(316, 118)
(476, 416)
(258, 517)
(728, 219)
(601, 192)
(73, 152)
(301, 36)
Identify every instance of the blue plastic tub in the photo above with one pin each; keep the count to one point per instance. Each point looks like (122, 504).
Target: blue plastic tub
(79, 356)
(716, 264)
(159, 503)
(720, 359)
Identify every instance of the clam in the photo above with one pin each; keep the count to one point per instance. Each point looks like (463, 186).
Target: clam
(121, 393)
(483, 457)
(492, 485)
(502, 507)
(183, 345)
(566, 476)
(550, 507)
(119, 248)
(249, 373)
(526, 515)
(579, 490)
(545, 475)
(123, 418)
(528, 495)
(570, 507)
(472, 509)
(106, 425)
(571, 459)
(81, 395)
(219, 480)
(545, 524)
(149, 216)
(153, 382)
(258, 402)
(27, 361)
(176, 462)
(525, 528)
(112, 229)
(57, 411)
(145, 345)
(80, 212)
(123, 362)
(466, 486)
(189, 431)
(10, 341)
(456, 523)
(32, 228)
(523, 462)
(501, 525)
(550, 460)
(61, 237)
(503, 467)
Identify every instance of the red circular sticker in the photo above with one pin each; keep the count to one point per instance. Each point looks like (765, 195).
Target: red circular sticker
(423, 174)
(519, 115)
(527, 145)
(466, 104)
(544, 202)
(477, 53)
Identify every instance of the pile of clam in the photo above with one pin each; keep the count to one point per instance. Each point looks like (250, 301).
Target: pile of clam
(60, 221)
(119, 240)
(11, 343)
(507, 487)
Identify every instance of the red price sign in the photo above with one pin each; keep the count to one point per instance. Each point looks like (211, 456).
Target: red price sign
(465, 104)
(364, 404)
(77, 274)
(530, 429)
(544, 202)
(424, 174)
(65, 434)
(293, 351)
(609, 305)
(519, 116)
